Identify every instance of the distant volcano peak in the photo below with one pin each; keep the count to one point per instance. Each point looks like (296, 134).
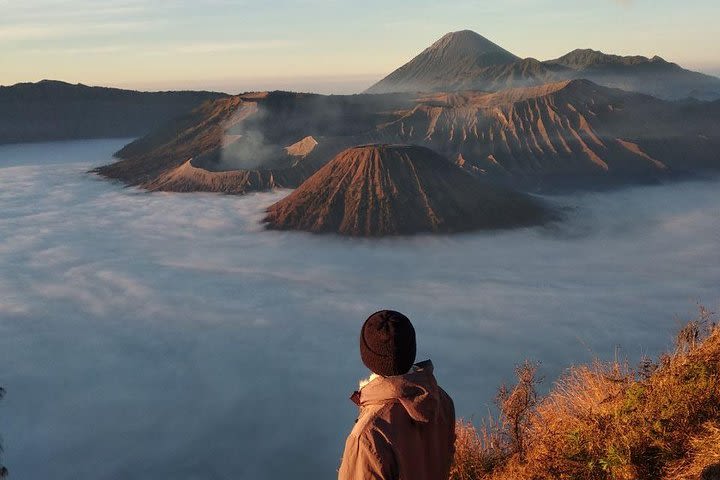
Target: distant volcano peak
(455, 56)
(465, 60)
(471, 43)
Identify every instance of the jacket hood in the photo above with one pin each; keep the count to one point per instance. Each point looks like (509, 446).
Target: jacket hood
(417, 391)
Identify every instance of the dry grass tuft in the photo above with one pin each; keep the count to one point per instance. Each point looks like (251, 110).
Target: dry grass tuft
(659, 420)
(478, 451)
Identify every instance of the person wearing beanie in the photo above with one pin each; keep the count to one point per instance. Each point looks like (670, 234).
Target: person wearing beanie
(406, 423)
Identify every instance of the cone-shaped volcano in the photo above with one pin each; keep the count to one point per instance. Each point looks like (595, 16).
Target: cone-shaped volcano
(446, 64)
(377, 190)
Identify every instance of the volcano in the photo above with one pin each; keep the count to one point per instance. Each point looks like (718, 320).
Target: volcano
(465, 60)
(446, 64)
(571, 134)
(379, 190)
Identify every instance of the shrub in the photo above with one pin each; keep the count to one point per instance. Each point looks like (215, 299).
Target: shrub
(606, 420)
(517, 406)
(478, 451)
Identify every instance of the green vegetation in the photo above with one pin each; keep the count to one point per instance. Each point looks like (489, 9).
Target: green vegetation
(607, 420)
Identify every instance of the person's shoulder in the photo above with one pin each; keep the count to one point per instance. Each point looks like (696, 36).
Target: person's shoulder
(444, 394)
(446, 400)
(369, 432)
(371, 420)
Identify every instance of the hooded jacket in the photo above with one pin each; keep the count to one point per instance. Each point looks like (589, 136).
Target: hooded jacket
(405, 430)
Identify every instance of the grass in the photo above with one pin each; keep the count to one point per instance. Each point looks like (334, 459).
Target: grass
(607, 420)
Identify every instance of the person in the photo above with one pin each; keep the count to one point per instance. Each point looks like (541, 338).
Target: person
(406, 423)
(711, 472)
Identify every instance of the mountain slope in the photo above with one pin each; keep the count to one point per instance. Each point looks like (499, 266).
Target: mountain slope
(190, 178)
(653, 76)
(184, 137)
(445, 63)
(568, 132)
(376, 190)
(259, 136)
(52, 110)
(466, 61)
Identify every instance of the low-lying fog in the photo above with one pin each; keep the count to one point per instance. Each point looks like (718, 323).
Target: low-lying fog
(168, 336)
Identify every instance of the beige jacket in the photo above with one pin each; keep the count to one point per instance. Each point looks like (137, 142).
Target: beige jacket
(405, 430)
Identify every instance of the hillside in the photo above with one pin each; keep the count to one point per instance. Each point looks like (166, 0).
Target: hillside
(569, 134)
(653, 76)
(254, 132)
(563, 133)
(178, 140)
(378, 190)
(293, 165)
(467, 61)
(657, 421)
(52, 110)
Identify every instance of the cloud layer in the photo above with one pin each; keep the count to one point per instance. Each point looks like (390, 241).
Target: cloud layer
(169, 336)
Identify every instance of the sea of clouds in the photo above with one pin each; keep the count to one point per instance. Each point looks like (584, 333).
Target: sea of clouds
(169, 336)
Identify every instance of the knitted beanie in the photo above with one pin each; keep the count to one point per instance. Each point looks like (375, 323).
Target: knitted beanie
(387, 343)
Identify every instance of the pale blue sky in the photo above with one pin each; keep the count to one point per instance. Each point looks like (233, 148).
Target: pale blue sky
(322, 45)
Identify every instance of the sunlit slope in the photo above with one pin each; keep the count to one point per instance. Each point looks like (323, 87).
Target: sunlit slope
(377, 190)
(565, 128)
(572, 133)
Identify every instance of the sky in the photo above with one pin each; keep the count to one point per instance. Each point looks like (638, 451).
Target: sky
(328, 46)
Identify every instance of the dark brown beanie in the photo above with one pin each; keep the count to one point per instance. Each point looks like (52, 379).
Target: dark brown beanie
(387, 343)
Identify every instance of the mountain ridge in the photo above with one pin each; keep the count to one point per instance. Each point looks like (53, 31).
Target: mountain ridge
(55, 110)
(567, 134)
(429, 71)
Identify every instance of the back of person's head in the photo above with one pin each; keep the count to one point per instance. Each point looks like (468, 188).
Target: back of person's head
(711, 473)
(387, 343)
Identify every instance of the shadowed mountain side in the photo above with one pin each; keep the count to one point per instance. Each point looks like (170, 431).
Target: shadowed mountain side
(527, 72)
(466, 61)
(52, 110)
(253, 132)
(378, 190)
(183, 138)
(653, 76)
(569, 132)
